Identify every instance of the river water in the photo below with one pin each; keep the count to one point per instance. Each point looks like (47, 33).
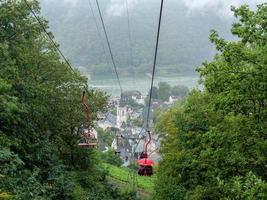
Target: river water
(141, 83)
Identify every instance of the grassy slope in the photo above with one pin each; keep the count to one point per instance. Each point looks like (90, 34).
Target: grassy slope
(122, 174)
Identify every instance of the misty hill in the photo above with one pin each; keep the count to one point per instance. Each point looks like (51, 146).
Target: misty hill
(184, 42)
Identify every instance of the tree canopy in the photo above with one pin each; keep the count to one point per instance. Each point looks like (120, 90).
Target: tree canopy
(40, 115)
(215, 146)
(165, 90)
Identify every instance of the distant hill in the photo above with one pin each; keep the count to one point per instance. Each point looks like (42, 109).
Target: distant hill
(184, 42)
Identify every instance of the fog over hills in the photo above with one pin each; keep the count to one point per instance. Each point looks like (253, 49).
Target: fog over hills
(184, 42)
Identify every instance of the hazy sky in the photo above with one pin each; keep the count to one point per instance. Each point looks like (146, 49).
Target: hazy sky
(221, 7)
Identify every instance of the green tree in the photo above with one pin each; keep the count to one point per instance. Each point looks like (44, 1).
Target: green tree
(215, 145)
(179, 90)
(40, 114)
(133, 104)
(155, 92)
(105, 138)
(164, 91)
(111, 158)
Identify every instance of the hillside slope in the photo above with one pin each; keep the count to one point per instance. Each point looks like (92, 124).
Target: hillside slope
(184, 40)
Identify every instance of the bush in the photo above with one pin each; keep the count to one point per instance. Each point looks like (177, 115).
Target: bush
(249, 187)
(110, 158)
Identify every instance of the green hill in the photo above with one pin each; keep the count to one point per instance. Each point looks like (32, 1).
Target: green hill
(184, 42)
(145, 184)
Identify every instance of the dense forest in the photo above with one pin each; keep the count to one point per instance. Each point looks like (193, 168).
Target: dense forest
(39, 115)
(214, 140)
(184, 42)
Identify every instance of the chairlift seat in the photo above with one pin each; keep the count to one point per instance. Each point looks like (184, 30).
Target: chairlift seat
(84, 144)
(88, 139)
(145, 170)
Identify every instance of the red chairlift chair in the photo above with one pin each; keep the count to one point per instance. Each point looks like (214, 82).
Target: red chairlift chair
(88, 138)
(145, 164)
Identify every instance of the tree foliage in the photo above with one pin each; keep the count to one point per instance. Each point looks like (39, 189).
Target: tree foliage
(179, 90)
(40, 113)
(165, 90)
(215, 146)
(111, 158)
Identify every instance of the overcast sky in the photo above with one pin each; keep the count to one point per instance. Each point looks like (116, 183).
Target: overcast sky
(222, 7)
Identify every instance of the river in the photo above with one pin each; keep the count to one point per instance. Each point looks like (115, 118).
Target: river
(141, 83)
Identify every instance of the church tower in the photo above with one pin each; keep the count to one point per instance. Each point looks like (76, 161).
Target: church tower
(122, 113)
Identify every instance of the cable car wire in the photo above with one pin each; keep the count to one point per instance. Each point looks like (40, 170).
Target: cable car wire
(154, 66)
(49, 36)
(99, 33)
(97, 27)
(129, 32)
(110, 51)
(130, 59)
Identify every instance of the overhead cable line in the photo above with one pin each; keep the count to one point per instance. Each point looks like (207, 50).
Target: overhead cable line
(129, 32)
(97, 27)
(110, 51)
(154, 67)
(49, 36)
(130, 40)
(99, 32)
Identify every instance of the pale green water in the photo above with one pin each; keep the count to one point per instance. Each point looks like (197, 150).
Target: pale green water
(142, 84)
